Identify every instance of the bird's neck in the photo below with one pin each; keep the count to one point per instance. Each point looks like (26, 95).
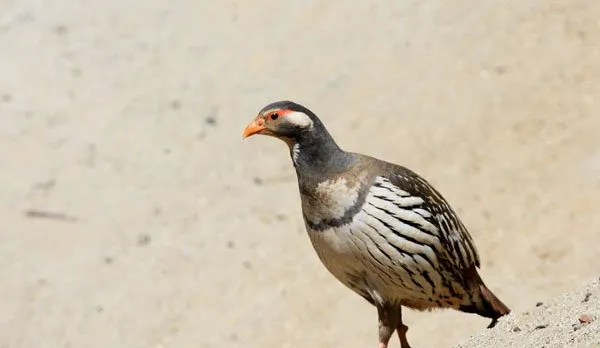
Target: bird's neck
(318, 155)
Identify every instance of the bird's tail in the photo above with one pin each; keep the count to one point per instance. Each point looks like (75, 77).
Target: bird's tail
(486, 304)
(493, 307)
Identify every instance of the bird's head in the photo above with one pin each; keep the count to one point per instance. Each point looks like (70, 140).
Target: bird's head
(285, 120)
(311, 145)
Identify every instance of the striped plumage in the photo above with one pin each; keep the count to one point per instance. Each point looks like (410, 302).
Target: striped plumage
(380, 229)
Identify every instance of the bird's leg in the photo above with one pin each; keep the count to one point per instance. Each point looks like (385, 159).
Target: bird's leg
(402, 329)
(387, 324)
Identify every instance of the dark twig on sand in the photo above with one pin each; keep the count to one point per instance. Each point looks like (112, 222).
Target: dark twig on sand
(39, 214)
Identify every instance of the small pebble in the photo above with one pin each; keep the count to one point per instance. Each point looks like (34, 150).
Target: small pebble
(211, 121)
(587, 297)
(230, 244)
(175, 105)
(257, 181)
(516, 329)
(585, 319)
(61, 29)
(45, 185)
(542, 326)
(247, 265)
(143, 239)
(280, 217)
(500, 70)
(539, 304)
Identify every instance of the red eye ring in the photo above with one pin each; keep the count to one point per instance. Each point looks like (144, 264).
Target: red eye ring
(273, 116)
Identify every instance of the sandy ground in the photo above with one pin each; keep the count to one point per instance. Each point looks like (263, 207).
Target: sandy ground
(121, 121)
(571, 320)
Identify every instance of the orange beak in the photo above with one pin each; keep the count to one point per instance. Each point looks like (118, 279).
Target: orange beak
(255, 127)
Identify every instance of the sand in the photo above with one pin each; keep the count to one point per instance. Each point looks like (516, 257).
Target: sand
(570, 320)
(134, 216)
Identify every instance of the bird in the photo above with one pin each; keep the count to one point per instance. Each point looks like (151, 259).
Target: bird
(381, 229)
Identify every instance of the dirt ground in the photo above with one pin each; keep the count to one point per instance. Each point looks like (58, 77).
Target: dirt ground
(570, 320)
(134, 216)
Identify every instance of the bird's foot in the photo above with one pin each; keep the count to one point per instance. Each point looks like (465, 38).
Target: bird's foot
(493, 323)
(402, 329)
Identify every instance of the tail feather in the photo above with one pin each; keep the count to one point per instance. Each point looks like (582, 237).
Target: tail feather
(487, 305)
(494, 308)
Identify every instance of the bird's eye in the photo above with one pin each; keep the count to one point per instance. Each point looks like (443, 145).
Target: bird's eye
(273, 116)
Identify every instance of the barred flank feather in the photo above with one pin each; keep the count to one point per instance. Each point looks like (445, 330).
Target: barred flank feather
(395, 250)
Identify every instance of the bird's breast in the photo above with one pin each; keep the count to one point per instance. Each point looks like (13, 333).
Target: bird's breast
(330, 200)
(382, 245)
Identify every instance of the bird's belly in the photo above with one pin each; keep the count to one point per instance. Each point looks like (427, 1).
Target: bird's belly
(361, 264)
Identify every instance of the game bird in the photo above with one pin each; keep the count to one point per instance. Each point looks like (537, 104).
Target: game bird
(379, 228)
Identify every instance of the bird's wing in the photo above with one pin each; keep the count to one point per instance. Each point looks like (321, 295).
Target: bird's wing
(408, 191)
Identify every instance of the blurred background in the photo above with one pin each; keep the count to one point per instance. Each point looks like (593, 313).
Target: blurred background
(132, 214)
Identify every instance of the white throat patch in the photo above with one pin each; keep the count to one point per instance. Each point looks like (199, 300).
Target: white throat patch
(299, 119)
(295, 153)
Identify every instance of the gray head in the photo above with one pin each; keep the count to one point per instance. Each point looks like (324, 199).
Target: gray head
(311, 145)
